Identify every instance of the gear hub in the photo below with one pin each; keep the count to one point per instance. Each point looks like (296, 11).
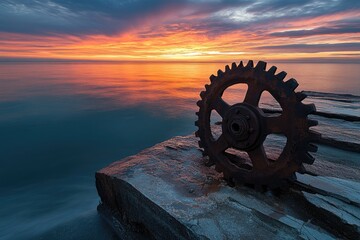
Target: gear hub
(245, 126)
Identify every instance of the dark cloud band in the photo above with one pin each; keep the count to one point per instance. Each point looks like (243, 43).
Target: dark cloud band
(82, 17)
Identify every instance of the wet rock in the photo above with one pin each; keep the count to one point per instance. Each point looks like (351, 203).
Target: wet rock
(335, 201)
(345, 117)
(336, 213)
(344, 145)
(167, 192)
(345, 190)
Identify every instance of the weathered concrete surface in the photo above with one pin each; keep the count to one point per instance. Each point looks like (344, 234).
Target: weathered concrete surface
(166, 192)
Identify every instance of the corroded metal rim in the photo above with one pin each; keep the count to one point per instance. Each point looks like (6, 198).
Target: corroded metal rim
(245, 126)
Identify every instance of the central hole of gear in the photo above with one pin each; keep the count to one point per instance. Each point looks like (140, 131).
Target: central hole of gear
(239, 126)
(235, 127)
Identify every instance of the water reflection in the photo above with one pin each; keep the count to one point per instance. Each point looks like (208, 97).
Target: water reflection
(63, 121)
(173, 86)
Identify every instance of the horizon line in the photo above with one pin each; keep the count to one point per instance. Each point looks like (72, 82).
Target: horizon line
(63, 60)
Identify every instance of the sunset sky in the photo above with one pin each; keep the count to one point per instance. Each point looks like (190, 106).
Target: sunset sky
(186, 30)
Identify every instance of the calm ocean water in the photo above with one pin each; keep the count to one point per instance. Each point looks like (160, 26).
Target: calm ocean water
(60, 122)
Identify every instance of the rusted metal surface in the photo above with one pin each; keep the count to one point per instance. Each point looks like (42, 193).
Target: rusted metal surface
(245, 126)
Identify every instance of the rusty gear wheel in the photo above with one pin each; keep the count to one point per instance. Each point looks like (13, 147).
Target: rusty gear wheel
(245, 126)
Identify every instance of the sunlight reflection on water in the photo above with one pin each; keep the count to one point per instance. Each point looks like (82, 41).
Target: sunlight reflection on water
(173, 86)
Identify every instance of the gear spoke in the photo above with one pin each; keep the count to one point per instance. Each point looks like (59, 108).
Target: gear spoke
(220, 145)
(258, 158)
(275, 124)
(253, 95)
(221, 106)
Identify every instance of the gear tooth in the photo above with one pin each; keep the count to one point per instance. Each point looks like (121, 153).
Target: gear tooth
(204, 153)
(233, 66)
(302, 169)
(201, 145)
(272, 70)
(292, 84)
(312, 123)
(250, 64)
(309, 108)
(197, 123)
(197, 113)
(209, 163)
(220, 73)
(281, 75)
(202, 94)
(230, 181)
(199, 103)
(314, 136)
(218, 168)
(227, 68)
(307, 158)
(241, 64)
(197, 134)
(300, 96)
(259, 187)
(207, 87)
(212, 78)
(312, 147)
(261, 65)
